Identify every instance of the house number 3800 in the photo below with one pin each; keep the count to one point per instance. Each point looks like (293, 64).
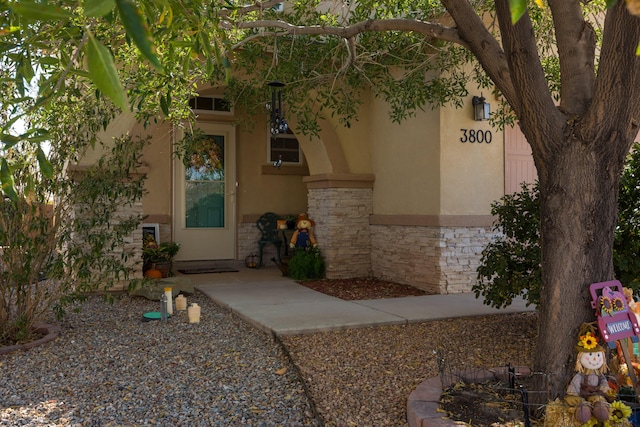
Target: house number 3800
(479, 136)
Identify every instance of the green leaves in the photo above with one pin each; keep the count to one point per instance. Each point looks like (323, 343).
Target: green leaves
(306, 263)
(518, 8)
(510, 264)
(137, 29)
(103, 72)
(41, 11)
(6, 181)
(45, 166)
(98, 8)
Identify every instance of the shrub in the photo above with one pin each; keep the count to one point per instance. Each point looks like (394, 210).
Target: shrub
(511, 265)
(626, 246)
(164, 252)
(306, 263)
(52, 254)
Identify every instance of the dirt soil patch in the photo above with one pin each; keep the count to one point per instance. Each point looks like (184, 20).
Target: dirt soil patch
(362, 288)
(489, 404)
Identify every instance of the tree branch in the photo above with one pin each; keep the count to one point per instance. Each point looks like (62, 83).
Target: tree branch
(521, 54)
(351, 48)
(258, 5)
(576, 42)
(484, 46)
(372, 25)
(619, 71)
(529, 81)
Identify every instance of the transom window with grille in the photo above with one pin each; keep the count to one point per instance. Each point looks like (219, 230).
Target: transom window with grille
(285, 147)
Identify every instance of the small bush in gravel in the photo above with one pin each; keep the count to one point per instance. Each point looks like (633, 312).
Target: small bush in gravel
(51, 254)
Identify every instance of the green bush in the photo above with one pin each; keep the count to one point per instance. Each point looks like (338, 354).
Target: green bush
(52, 254)
(626, 246)
(306, 263)
(511, 265)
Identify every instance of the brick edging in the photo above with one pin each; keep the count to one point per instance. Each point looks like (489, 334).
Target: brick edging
(424, 402)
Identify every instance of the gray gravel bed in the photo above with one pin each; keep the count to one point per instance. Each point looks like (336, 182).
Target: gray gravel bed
(110, 368)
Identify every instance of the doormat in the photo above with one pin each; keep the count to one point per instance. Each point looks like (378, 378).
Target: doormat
(204, 270)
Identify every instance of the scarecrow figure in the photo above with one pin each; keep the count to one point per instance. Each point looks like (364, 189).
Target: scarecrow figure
(589, 389)
(303, 236)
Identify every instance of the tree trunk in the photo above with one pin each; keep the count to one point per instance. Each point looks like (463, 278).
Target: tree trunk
(579, 148)
(579, 193)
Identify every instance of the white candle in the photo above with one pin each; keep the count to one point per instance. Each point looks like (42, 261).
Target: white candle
(194, 313)
(181, 303)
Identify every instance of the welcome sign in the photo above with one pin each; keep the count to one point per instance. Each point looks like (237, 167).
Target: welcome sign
(615, 320)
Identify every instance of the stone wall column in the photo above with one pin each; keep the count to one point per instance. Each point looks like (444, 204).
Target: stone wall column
(340, 205)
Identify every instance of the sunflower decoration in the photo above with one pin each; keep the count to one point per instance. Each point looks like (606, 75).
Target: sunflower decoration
(591, 423)
(619, 411)
(588, 341)
(606, 305)
(618, 304)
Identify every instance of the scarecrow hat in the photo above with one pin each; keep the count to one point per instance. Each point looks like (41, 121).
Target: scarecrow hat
(304, 217)
(588, 340)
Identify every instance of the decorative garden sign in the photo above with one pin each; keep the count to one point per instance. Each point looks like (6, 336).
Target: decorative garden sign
(615, 319)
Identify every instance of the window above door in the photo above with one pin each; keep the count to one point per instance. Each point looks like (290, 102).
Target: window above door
(210, 104)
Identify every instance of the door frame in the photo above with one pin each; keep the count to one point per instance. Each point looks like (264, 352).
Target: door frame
(230, 224)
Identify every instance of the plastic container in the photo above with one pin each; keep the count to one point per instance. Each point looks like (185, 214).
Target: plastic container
(163, 307)
(169, 297)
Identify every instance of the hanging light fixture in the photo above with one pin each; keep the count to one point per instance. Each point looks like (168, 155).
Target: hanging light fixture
(278, 123)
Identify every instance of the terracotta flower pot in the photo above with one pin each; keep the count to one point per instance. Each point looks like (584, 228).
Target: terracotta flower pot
(164, 267)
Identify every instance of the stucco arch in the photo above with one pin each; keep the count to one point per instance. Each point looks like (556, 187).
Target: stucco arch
(324, 153)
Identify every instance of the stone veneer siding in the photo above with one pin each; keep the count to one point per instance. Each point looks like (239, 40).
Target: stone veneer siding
(131, 249)
(341, 217)
(133, 243)
(248, 236)
(438, 259)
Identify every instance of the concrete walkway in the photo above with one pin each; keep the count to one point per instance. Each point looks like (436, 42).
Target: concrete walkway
(279, 305)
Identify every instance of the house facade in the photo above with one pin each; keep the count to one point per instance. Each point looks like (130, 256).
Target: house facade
(405, 202)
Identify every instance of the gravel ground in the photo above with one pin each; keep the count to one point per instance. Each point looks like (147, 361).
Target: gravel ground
(110, 368)
(362, 377)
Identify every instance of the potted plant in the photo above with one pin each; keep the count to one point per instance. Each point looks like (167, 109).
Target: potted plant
(290, 221)
(160, 257)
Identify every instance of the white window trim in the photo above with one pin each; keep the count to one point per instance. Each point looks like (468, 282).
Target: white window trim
(291, 136)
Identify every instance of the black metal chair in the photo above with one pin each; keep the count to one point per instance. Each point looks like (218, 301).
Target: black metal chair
(268, 226)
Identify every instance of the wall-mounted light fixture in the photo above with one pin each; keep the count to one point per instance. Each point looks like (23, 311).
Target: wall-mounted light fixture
(481, 108)
(278, 123)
